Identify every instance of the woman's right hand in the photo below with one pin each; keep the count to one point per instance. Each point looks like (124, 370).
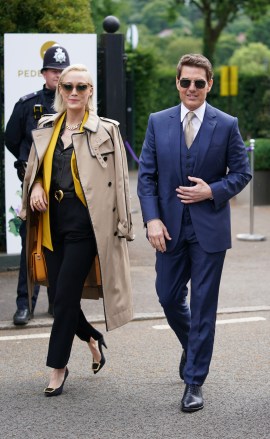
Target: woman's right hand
(38, 199)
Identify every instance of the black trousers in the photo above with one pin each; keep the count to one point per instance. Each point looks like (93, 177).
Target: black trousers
(74, 250)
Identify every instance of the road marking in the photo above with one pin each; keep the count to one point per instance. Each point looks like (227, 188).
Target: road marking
(223, 322)
(241, 320)
(24, 337)
(47, 335)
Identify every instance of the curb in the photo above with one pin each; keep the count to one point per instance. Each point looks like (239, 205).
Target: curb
(47, 322)
(9, 262)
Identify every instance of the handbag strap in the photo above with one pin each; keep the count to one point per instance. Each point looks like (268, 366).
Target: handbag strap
(39, 234)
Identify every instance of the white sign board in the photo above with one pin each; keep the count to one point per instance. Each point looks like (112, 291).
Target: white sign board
(23, 60)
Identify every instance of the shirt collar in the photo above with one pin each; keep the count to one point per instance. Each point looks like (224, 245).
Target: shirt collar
(48, 91)
(199, 111)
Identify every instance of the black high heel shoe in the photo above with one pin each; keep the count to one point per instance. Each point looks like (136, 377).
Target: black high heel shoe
(97, 366)
(50, 391)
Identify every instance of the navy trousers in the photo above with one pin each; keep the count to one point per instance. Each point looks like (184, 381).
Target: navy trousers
(22, 291)
(194, 322)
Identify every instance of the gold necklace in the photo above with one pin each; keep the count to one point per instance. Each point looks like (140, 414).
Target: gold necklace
(73, 127)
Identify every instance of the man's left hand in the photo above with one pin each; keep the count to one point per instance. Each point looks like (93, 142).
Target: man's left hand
(193, 194)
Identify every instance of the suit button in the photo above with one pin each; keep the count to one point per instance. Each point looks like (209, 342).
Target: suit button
(115, 233)
(110, 183)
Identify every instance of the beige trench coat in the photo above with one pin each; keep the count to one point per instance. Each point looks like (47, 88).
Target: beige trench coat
(102, 168)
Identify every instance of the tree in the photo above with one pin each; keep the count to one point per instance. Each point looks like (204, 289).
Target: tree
(170, 49)
(156, 15)
(260, 32)
(226, 46)
(218, 14)
(102, 8)
(29, 16)
(65, 16)
(253, 59)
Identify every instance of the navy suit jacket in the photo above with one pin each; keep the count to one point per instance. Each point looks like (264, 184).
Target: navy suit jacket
(222, 162)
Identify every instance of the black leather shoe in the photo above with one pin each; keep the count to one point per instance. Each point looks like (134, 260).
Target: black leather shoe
(22, 316)
(182, 364)
(97, 366)
(192, 399)
(49, 391)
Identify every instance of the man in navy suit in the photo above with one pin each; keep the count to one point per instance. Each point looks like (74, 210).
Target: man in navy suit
(191, 165)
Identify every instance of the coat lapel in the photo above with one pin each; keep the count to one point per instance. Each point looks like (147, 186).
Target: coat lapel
(41, 139)
(43, 134)
(94, 142)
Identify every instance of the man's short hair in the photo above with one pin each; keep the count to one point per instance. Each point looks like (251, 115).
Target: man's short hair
(195, 60)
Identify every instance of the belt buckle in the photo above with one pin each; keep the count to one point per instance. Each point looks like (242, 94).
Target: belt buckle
(59, 195)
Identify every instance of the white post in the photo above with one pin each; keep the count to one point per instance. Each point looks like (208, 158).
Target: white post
(251, 236)
(251, 201)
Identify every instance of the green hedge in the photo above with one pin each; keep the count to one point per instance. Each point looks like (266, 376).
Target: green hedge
(261, 154)
(155, 90)
(251, 105)
(141, 69)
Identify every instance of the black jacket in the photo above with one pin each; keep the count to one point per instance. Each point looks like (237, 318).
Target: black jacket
(18, 135)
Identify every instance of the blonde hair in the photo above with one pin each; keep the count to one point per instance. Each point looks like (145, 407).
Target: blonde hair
(59, 105)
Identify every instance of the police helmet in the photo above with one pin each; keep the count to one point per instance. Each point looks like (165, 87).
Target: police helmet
(56, 57)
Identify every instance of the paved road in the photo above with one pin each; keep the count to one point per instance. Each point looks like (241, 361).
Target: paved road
(137, 394)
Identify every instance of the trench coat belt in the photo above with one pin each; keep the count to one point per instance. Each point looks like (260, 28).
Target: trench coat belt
(59, 194)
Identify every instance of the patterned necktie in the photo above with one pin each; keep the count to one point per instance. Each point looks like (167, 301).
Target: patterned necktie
(189, 130)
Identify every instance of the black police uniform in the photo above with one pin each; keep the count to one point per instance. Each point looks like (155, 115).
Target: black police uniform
(24, 118)
(18, 140)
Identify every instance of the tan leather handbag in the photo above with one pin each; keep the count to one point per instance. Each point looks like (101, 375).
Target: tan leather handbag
(38, 262)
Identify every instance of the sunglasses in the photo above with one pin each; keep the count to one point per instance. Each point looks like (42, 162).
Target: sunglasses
(79, 87)
(199, 83)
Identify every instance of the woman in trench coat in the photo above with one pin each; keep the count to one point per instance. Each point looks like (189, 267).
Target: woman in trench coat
(77, 181)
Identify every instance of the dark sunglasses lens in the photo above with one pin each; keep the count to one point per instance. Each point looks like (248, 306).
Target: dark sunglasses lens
(200, 83)
(185, 83)
(67, 87)
(81, 87)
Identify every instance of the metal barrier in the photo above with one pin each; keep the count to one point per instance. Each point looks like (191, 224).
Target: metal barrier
(251, 236)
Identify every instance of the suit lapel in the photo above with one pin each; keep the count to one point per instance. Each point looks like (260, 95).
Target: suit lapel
(175, 138)
(206, 133)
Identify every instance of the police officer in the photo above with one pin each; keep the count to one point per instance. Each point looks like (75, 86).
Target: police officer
(18, 140)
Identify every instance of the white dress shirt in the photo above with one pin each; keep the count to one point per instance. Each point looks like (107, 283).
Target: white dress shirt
(196, 120)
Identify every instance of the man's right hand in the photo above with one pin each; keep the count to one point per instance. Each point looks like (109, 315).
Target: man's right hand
(157, 233)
